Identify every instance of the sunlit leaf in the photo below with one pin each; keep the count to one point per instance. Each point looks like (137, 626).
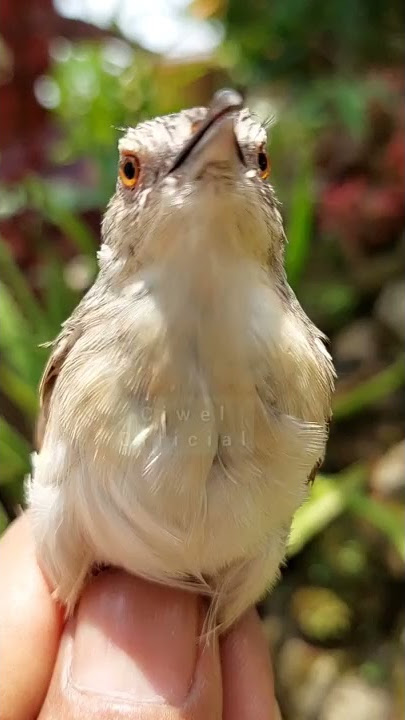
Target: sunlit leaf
(328, 499)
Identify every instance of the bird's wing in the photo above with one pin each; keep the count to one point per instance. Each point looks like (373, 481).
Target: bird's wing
(61, 348)
(312, 475)
(72, 329)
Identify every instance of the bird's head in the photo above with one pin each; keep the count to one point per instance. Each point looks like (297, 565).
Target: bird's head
(194, 182)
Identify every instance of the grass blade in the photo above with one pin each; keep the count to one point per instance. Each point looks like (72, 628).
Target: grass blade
(328, 500)
(14, 452)
(370, 391)
(22, 394)
(14, 279)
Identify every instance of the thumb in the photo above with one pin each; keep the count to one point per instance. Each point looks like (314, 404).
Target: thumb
(132, 651)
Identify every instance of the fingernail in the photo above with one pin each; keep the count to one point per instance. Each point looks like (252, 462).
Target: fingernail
(136, 639)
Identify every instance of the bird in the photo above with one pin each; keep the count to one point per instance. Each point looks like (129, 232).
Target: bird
(186, 402)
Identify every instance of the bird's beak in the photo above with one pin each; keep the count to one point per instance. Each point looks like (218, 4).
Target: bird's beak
(215, 140)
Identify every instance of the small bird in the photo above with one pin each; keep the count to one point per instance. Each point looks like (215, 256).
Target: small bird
(186, 402)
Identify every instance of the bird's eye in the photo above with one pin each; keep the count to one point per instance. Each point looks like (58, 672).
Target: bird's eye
(129, 170)
(263, 164)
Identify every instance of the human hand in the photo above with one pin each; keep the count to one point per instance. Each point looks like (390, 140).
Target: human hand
(130, 652)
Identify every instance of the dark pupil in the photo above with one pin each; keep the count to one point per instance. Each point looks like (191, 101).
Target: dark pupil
(262, 161)
(129, 170)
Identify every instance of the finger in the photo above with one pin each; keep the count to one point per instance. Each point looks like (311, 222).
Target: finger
(248, 688)
(30, 626)
(132, 652)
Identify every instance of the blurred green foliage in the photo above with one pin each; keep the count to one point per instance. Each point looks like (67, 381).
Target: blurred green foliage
(300, 39)
(299, 60)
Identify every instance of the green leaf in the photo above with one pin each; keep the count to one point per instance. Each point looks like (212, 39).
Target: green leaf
(21, 393)
(3, 520)
(370, 391)
(74, 228)
(13, 465)
(299, 227)
(329, 498)
(12, 276)
(334, 299)
(389, 521)
(55, 204)
(59, 299)
(17, 341)
(14, 452)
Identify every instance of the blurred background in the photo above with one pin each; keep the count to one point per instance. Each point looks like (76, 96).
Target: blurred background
(330, 74)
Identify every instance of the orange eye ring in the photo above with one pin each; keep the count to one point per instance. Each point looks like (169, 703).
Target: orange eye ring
(263, 164)
(129, 170)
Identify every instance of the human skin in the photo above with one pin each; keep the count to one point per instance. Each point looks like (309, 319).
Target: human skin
(130, 652)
